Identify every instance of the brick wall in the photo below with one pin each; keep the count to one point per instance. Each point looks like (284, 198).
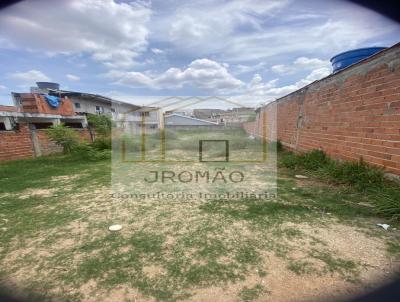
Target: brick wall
(46, 145)
(16, 144)
(19, 144)
(351, 114)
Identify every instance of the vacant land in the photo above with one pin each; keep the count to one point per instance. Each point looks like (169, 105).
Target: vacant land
(314, 241)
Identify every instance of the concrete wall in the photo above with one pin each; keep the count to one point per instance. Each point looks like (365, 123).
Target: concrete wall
(89, 106)
(351, 114)
(26, 142)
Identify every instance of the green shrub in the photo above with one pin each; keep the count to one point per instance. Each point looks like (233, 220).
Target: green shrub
(275, 146)
(88, 152)
(289, 160)
(95, 155)
(314, 160)
(279, 146)
(388, 202)
(102, 143)
(63, 136)
(358, 173)
(101, 123)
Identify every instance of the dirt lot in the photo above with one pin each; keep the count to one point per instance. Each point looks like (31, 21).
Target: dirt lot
(314, 242)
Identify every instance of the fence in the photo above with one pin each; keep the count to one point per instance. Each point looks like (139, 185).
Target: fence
(351, 114)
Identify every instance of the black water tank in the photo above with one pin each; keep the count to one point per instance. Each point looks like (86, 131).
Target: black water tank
(48, 85)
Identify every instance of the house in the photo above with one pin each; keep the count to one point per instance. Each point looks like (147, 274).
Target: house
(208, 114)
(21, 133)
(177, 121)
(183, 112)
(144, 118)
(35, 110)
(84, 103)
(237, 115)
(21, 125)
(170, 119)
(231, 116)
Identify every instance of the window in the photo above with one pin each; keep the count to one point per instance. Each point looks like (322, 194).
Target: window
(42, 125)
(146, 113)
(74, 125)
(142, 113)
(112, 109)
(77, 105)
(99, 109)
(7, 123)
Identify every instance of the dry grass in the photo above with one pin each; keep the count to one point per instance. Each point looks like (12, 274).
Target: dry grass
(312, 242)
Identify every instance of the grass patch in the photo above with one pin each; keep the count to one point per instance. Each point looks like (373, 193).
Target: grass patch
(248, 294)
(359, 175)
(393, 248)
(301, 267)
(167, 250)
(16, 176)
(255, 211)
(346, 268)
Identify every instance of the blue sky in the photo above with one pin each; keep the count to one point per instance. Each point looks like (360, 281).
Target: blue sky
(255, 51)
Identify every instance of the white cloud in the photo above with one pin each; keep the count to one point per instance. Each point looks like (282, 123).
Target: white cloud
(157, 51)
(29, 77)
(201, 73)
(213, 77)
(201, 27)
(72, 77)
(258, 87)
(327, 37)
(2, 87)
(311, 63)
(270, 90)
(247, 31)
(113, 33)
(301, 64)
(317, 74)
(281, 69)
(254, 36)
(240, 68)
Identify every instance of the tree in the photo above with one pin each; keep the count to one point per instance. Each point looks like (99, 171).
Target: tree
(102, 125)
(63, 136)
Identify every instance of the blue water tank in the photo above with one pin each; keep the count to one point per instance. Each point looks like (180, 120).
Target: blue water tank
(347, 58)
(48, 85)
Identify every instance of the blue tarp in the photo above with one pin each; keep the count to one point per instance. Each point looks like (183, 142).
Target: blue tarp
(53, 101)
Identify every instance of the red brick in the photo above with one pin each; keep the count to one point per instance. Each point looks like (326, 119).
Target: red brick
(359, 116)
